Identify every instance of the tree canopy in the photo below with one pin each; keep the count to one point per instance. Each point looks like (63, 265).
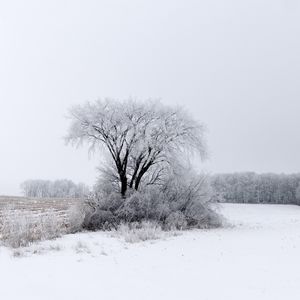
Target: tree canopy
(142, 139)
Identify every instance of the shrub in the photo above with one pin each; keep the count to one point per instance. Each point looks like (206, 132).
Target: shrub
(75, 217)
(203, 217)
(101, 219)
(176, 220)
(181, 202)
(149, 205)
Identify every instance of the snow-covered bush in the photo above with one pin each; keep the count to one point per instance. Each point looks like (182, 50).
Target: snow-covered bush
(75, 217)
(101, 219)
(176, 220)
(139, 206)
(181, 202)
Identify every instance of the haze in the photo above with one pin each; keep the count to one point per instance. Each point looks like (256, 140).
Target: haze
(234, 65)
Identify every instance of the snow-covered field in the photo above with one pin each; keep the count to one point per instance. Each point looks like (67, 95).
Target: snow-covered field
(258, 258)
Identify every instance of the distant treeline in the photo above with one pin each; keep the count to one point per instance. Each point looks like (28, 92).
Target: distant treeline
(257, 188)
(54, 189)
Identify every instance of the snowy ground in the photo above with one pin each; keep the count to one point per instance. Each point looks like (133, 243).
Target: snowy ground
(257, 259)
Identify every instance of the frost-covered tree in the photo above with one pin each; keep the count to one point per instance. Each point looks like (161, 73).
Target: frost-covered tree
(142, 139)
(257, 188)
(54, 189)
(36, 188)
(298, 194)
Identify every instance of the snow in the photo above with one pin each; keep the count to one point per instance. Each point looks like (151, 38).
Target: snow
(257, 258)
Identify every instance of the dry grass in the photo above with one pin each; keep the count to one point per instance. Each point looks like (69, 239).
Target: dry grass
(24, 221)
(38, 205)
(140, 232)
(20, 228)
(82, 247)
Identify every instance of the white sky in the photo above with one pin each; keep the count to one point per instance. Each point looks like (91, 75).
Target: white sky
(234, 64)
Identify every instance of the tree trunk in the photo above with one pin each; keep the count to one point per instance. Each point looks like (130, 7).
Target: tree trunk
(134, 176)
(123, 180)
(140, 176)
(138, 181)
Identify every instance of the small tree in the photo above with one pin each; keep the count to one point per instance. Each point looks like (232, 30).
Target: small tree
(142, 139)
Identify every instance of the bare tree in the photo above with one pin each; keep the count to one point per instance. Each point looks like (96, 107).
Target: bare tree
(141, 138)
(257, 188)
(54, 189)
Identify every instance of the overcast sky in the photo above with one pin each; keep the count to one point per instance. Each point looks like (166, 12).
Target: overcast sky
(235, 65)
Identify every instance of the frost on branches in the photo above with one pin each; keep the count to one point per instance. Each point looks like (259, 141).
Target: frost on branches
(141, 138)
(147, 175)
